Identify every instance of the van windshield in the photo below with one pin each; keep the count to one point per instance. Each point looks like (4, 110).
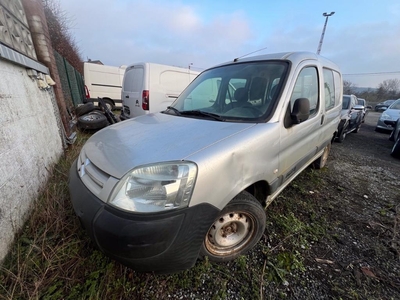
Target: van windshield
(238, 92)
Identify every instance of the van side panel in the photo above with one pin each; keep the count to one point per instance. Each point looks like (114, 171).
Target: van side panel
(104, 82)
(164, 83)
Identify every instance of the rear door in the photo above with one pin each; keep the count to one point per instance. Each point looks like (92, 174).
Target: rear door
(132, 91)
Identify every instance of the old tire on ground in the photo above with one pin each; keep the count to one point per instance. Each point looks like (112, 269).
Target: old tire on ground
(396, 148)
(236, 230)
(84, 109)
(320, 162)
(92, 121)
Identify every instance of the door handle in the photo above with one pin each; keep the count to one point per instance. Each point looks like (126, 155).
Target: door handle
(127, 96)
(322, 119)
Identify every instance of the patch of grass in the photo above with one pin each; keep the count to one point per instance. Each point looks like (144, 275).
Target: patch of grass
(53, 258)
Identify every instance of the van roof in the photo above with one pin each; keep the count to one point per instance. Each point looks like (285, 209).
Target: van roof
(294, 57)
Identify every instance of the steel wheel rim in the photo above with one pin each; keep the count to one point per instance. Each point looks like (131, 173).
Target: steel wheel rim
(230, 233)
(91, 117)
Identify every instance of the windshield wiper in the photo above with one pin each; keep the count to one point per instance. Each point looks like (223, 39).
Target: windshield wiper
(202, 113)
(177, 112)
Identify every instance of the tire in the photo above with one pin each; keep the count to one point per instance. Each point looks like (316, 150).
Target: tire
(92, 121)
(357, 130)
(391, 137)
(109, 104)
(342, 135)
(320, 162)
(239, 226)
(84, 109)
(396, 148)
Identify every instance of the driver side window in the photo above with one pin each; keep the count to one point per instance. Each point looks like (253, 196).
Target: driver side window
(307, 87)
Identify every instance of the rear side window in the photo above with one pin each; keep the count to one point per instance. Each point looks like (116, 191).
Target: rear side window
(338, 86)
(329, 87)
(133, 80)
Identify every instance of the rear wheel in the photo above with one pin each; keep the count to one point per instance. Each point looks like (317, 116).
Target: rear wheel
(236, 230)
(320, 162)
(342, 134)
(110, 104)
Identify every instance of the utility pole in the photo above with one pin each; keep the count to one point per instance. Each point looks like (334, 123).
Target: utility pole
(323, 30)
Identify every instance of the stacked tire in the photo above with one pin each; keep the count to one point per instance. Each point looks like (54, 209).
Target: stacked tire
(89, 118)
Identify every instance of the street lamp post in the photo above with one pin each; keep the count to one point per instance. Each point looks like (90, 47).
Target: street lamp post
(323, 30)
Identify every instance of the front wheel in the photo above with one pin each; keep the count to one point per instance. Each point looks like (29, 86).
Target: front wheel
(342, 135)
(396, 148)
(357, 130)
(236, 230)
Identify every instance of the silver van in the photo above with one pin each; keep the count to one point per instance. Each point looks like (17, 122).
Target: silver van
(159, 191)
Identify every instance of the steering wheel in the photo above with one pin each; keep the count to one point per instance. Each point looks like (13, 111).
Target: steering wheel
(255, 111)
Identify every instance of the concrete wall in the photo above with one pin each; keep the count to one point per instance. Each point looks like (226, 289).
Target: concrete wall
(30, 144)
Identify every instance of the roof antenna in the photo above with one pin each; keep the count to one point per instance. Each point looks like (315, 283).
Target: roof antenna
(236, 59)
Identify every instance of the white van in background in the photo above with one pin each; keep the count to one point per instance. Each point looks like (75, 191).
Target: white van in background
(104, 82)
(149, 87)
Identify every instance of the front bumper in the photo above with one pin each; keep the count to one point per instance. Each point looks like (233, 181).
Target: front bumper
(163, 242)
(382, 125)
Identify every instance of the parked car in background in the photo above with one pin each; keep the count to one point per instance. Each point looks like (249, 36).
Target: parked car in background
(395, 137)
(362, 102)
(383, 105)
(351, 117)
(392, 113)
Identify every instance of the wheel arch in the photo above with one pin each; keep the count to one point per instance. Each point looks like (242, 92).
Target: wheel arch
(259, 190)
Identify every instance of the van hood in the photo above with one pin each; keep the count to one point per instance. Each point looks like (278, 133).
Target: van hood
(152, 138)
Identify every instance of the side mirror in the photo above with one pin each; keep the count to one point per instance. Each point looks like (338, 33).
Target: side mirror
(358, 107)
(301, 110)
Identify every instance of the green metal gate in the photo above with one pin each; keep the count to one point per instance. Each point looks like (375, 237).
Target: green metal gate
(71, 80)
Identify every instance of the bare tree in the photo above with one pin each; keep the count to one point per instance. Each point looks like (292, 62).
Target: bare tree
(389, 89)
(348, 87)
(59, 29)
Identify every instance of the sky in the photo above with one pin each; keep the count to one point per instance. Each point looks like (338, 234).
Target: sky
(362, 37)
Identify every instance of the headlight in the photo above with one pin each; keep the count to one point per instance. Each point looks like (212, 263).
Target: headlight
(155, 187)
(385, 116)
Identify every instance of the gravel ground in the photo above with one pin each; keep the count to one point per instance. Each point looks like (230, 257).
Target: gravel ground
(363, 208)
(358, 257)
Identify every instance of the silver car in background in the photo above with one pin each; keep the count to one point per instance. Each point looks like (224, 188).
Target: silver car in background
(392, 113)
